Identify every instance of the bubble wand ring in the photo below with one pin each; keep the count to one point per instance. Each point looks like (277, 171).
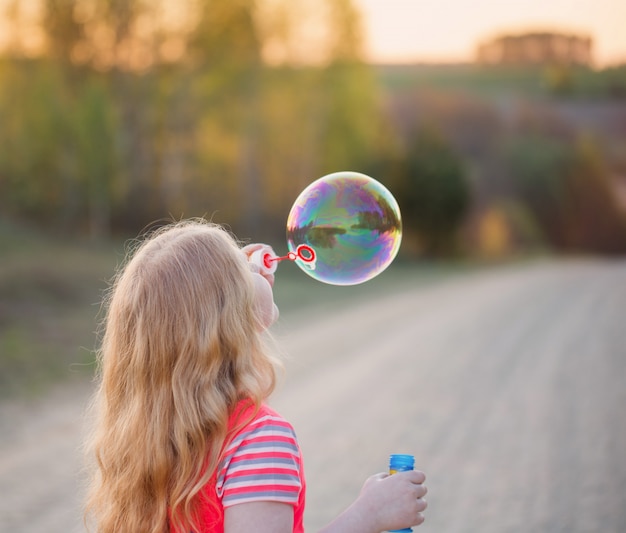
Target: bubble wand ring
(304, 252)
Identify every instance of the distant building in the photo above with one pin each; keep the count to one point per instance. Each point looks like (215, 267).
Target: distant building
(537, 48)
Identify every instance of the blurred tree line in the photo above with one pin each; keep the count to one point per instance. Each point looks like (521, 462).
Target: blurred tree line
(507, 174)
(123, 112)
(136, 110)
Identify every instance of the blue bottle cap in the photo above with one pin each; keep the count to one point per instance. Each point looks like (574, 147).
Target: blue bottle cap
(401, 461)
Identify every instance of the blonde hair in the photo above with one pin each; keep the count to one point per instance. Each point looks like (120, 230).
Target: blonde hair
(181, 346)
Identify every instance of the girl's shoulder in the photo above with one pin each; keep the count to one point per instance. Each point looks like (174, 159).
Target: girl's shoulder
(247, 416)
(260, 433)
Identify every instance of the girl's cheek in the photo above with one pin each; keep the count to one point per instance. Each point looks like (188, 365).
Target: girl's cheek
(267, 309)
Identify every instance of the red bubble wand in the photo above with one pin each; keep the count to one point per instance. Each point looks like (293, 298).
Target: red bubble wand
(304, 252)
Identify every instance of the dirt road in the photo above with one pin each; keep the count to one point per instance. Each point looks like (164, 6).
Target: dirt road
(509, 387)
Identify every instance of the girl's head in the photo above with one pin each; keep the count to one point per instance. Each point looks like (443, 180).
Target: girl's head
(183, 342)
(186, 309)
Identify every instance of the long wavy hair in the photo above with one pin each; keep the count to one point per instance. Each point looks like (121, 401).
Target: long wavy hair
(181, 346)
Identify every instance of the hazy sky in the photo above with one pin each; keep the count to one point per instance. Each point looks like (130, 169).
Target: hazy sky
(449, 30)
(432, 30)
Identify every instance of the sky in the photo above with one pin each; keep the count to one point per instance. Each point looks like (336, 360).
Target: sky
(400, 31)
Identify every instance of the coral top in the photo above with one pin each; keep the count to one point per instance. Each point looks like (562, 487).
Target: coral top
(261, 462)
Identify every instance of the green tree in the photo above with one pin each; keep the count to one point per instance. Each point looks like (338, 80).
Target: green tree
(568, 188)
(101, 130)
(349, 117)
(35, 160)
(432, 191)
(64, 31)
(226, 85)
(97, 159)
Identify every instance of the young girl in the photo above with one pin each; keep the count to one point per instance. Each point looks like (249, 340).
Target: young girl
(183, 440)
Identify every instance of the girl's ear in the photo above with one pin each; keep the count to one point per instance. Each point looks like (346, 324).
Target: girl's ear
(265, 306)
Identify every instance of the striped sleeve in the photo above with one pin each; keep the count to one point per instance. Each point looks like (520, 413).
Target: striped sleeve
(261, 464)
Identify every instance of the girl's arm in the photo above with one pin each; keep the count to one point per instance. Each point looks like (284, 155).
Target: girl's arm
(260, 517)
(386, 502)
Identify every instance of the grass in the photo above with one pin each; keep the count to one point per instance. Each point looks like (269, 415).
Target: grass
(464, 78)
(50, 291)
(498, 81)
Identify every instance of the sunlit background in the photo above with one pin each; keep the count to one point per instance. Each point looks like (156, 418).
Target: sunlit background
(498, 125)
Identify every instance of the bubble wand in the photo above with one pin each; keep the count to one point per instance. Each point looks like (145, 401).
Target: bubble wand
(265, 261)
(304, 252)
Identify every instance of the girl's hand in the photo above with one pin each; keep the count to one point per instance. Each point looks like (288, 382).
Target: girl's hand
(396, 501)
(385, 503)
(255, 253)
(263, 276)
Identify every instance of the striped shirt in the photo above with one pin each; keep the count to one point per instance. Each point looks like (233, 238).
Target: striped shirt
(262, 462)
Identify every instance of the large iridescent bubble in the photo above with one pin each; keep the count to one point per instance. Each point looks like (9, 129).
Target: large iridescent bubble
(344, 229)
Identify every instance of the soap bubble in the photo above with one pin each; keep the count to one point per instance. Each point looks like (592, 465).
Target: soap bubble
(344, 229)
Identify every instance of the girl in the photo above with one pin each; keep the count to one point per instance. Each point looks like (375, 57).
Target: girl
(183, 440)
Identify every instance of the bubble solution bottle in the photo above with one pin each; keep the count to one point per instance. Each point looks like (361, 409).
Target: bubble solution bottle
(399, 462)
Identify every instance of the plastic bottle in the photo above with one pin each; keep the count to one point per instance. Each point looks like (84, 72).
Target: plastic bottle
(399, 462)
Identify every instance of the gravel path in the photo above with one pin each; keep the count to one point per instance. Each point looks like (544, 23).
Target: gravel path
(508, 386)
